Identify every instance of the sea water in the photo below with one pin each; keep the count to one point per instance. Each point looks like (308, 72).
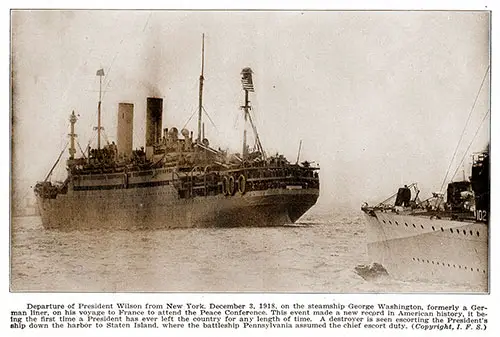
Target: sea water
(317, 254)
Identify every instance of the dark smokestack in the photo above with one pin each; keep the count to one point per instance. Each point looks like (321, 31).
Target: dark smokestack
(125, 128)
(153, 120)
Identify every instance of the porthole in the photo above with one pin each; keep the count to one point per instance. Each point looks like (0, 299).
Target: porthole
(451, 230)
(465, 233)
(432, 262)
(396, 223)
(442, 230)
(471, 233)
(477, 233)
(383, 221)
(406, 224)
(422, 226)
(433, 228)
(414, 226)
(390, 222)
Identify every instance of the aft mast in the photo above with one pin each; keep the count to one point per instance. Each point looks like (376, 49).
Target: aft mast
(99, 73)
(247, 82)
(200, 93)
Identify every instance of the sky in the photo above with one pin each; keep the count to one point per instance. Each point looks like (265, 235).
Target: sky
(379, 99)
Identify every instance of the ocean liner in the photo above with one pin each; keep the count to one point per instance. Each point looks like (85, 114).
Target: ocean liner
(435, 239)
(176, 180)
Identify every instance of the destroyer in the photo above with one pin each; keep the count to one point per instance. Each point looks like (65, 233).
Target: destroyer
(433, 239)
(177, 180)
(436, 239)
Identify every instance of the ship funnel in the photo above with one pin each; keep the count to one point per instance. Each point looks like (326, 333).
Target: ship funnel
(125, 129)
(153, 120)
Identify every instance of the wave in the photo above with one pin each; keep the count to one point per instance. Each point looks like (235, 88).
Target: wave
(371, 272)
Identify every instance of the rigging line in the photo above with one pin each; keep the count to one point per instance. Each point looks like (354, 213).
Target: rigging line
(111, 65)
(236, 120)
(105, 136)
(470, 144)
(256, 135)
(210, 119)
(463, 131)
(195, 84)
(92, 134)
(55, 164)
(83, 153)
(147, 21)
(92, 139)
(108, 72)
(73, 76)
(192, 115)
(116, 55)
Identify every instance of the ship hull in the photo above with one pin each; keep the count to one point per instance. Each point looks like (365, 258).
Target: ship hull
(420, 248)
(161, 207)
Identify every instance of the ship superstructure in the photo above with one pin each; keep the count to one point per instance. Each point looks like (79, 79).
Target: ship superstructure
(177, 179)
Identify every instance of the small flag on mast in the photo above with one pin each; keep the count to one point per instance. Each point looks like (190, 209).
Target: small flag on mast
(246, 79)
(100, 72)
